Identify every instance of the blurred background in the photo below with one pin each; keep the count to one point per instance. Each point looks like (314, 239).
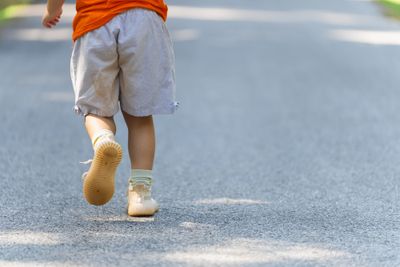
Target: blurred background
(284, 152)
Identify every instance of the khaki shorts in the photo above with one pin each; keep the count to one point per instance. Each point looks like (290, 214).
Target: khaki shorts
(128, 61)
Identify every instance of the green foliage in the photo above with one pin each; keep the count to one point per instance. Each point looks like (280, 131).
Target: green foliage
(392, 7)
(8, 7)
(5, 3)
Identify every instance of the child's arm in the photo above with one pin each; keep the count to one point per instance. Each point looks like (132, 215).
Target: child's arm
(52, 13)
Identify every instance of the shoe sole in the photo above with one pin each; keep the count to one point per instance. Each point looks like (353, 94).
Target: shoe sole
(98, 185)
(141, 211)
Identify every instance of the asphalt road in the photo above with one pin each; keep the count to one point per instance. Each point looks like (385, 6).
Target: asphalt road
(285, 150)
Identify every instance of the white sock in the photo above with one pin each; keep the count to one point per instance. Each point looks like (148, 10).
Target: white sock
(101, 134)
(141, 176)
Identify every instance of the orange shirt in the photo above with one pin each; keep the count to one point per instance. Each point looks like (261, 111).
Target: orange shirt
(92, 14)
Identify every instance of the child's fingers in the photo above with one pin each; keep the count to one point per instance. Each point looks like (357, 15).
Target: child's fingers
(46, 24)
(53, 22)
(50, 23)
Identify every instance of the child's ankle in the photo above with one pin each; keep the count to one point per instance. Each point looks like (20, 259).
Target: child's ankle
(100, 134)
(141, 176)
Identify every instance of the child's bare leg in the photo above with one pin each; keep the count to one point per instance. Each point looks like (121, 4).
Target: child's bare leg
(141, 141)
(94, 124)
(98, 185)
(141, 144)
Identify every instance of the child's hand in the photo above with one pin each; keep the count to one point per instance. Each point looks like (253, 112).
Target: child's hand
(50, 20)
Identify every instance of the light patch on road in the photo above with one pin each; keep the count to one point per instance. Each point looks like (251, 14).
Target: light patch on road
(121, 218)
(248, 251)
(37, 10)
(29, 238)
(41, 34)
(367, 37)
(185, 35)
(58, 97)
(228, 14)
(36, 264)
(198, 226)
(230, 201)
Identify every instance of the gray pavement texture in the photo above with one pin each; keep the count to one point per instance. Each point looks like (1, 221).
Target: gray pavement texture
(285, 150)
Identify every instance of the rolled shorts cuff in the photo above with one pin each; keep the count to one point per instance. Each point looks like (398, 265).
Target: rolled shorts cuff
(84, 111)
(161, 110)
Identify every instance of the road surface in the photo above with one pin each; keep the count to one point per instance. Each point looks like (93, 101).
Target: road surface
(285, 150)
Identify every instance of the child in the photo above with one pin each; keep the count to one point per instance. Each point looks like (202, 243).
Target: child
(122, 56)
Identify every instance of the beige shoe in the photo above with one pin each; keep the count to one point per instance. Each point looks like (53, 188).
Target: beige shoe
(98, 184)
(140, 202)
